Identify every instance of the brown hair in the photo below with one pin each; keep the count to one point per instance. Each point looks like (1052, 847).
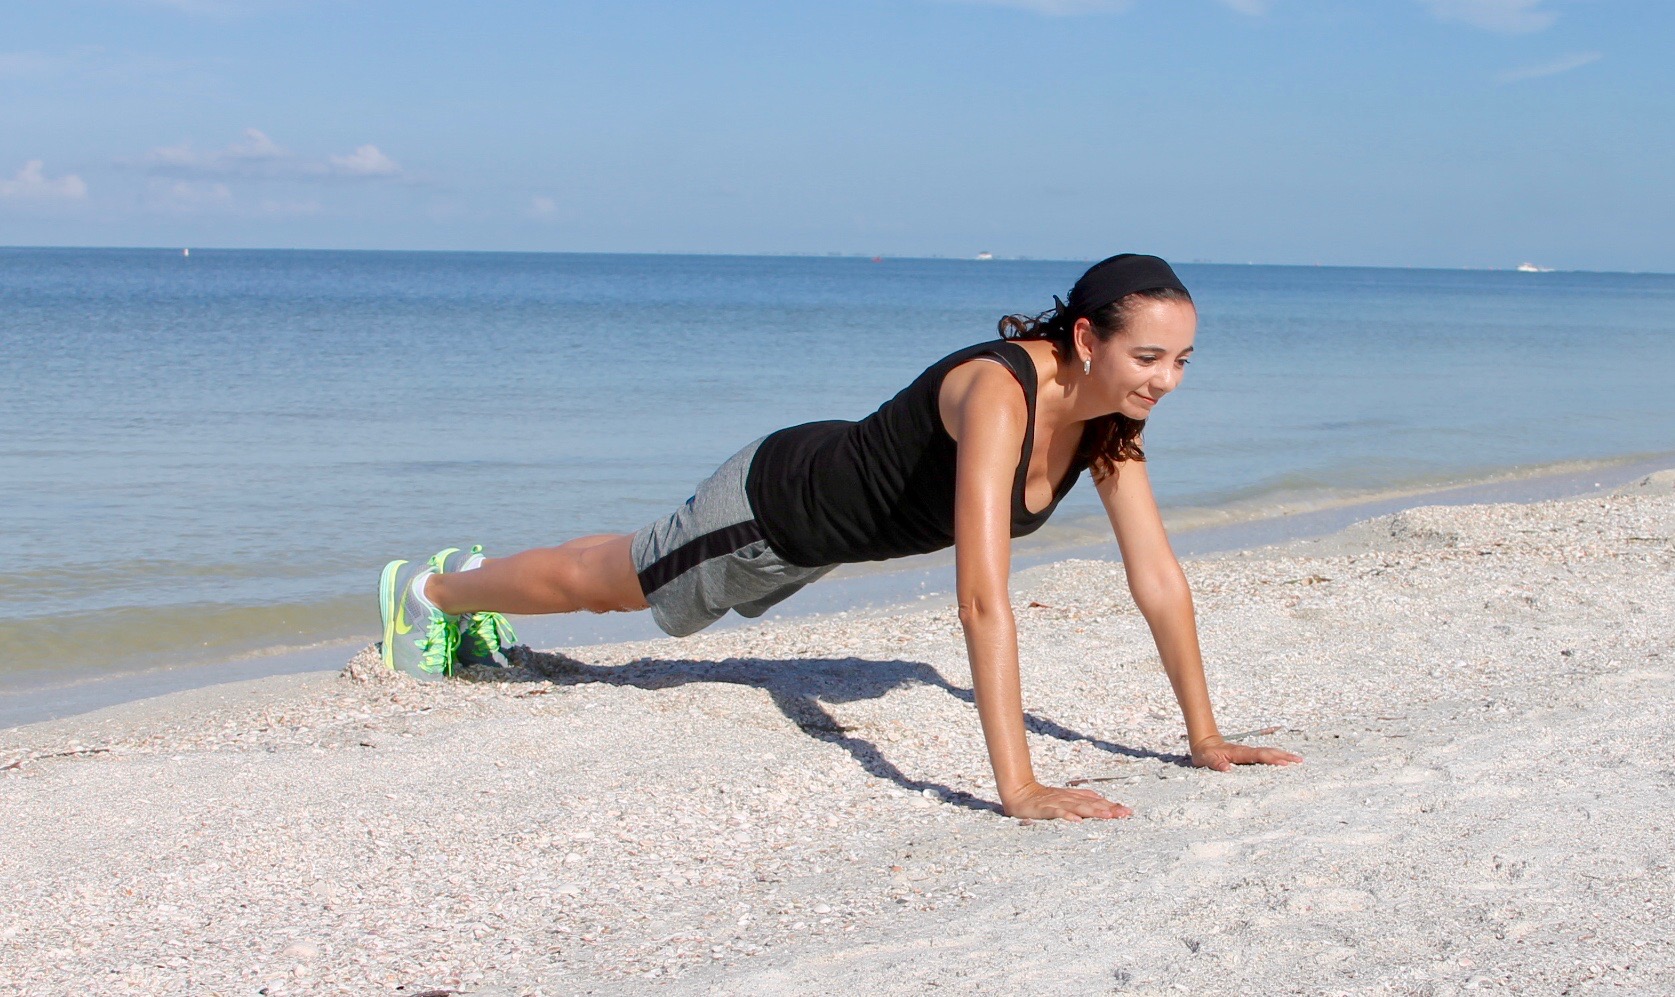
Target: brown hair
(1109, 439)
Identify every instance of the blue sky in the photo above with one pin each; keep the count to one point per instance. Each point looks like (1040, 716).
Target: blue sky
(1382, 132)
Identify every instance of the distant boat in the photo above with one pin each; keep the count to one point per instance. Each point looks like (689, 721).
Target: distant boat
(186, 252)
(1532, 268)
(985, 256)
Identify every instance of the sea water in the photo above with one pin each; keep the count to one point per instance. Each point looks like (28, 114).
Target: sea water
(209, 456)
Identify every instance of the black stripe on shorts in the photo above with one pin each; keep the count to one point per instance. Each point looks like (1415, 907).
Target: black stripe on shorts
(693, 553)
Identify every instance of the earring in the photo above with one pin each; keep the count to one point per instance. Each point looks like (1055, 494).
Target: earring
(1087, 366)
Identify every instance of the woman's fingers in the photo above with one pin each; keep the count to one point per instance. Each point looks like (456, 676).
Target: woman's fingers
(1098, 806)
(1243, 755)
(1223, 757)
(1051, 803)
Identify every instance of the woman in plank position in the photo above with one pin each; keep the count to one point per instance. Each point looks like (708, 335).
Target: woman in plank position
(979, 449)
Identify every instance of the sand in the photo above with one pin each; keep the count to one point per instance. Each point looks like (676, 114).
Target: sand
(805, 807)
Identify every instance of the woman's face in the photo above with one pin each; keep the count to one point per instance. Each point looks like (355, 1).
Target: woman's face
(1145, 361)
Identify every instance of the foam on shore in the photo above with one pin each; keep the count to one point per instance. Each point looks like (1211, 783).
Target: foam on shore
(50, 691)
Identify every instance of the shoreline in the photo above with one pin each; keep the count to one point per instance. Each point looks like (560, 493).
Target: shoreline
(36, 696)
(784, 807)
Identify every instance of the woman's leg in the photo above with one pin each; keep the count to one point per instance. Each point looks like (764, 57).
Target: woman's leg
(592, 573)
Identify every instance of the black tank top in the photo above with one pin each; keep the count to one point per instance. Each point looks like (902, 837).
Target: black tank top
(839, 492)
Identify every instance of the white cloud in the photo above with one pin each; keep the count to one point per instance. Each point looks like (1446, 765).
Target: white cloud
(1254, 8)
(1056, 8)
(256, 147)
(542, 206)
(366, 161)
(254, 153)
(258, 157)
(1563, 64)
(181, 155)
(193, 197)
(31, 183)
(184, 195)
(1512, 17)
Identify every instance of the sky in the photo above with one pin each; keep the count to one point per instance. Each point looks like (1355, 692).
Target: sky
(1448, 133)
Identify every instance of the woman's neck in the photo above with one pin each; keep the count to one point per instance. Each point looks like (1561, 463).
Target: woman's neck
(1060, 399)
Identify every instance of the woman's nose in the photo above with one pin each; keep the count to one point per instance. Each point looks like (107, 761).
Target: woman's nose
(1164, 381)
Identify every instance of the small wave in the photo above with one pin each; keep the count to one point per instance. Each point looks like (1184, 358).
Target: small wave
(136, 638)
(91, 585)
(1295, 494)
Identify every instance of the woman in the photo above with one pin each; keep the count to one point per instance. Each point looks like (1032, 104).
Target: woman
(979, 449)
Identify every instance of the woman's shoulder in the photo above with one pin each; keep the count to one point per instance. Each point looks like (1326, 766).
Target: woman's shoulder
(980, 360)
(1004, 353)
(995, 395)
(1010, 350)
(918, 408)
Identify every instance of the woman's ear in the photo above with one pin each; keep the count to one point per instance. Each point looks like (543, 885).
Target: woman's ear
(1082, 339)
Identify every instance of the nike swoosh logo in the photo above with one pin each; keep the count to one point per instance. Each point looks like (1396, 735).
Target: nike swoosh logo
(401, 624)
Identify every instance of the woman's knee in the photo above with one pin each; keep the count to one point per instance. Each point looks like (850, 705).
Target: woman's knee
(601, 578)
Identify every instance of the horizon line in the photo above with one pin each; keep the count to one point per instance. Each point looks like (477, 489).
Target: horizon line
(813, 254)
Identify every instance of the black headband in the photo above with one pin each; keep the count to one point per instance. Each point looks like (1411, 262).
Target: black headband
(1116, 278)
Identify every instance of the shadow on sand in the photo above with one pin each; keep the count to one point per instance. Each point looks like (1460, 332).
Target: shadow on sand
(800, 687)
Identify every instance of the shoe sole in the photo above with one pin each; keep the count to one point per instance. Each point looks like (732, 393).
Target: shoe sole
(387, 608)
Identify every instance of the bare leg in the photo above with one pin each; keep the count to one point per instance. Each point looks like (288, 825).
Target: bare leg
(592, 573)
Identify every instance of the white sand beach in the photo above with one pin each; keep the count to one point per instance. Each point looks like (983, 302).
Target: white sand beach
(805, 806)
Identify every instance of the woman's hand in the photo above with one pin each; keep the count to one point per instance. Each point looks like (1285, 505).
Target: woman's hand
(1049, 802)
(1215, 753)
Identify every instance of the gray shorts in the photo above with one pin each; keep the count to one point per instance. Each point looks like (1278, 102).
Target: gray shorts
(710, 556)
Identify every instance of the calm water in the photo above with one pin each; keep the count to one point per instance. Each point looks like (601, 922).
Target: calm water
(210, 455)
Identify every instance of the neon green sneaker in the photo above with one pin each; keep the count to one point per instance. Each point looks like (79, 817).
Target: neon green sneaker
(419, 639)
(483, 637)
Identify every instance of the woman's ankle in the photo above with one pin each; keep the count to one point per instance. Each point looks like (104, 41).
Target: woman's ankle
(436, 592)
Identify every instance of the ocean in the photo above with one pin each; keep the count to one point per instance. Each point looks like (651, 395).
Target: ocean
(210, 456)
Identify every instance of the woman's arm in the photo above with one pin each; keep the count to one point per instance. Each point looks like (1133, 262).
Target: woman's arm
(983, 409)
(1160, 590)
